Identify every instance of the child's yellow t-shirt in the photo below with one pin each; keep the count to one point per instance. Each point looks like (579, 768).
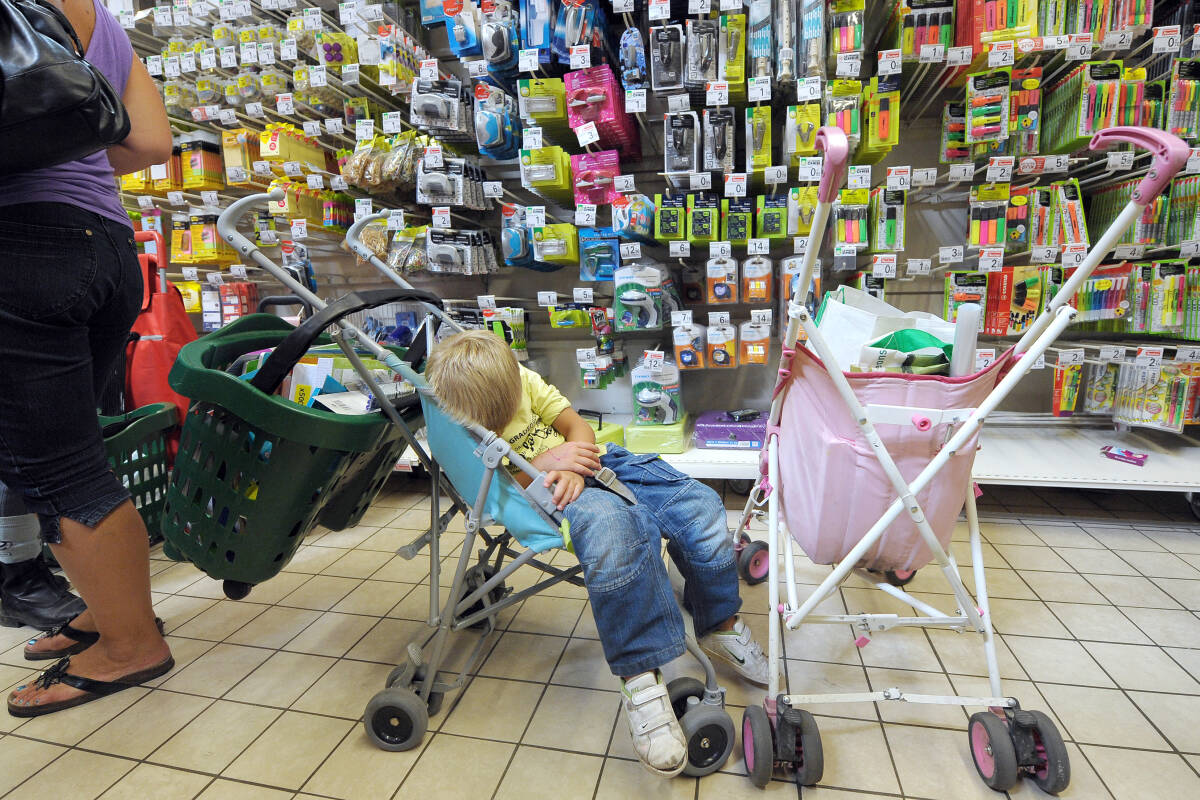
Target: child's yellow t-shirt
(531, 432)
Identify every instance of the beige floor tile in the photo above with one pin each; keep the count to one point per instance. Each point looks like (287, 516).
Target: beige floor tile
(822, 643)
(72, 727)
(1176, 541)
(439, 773)
(1024, 557)
(1008, 533)
(962, 554)
(217, 671)
(962, 654)
(219, 621)
(811, 677)
(1024, 691)
(548, 615)
(22, 758)
(280, 680)
(379, 516)
(275, 627)
(373, 598)
(277, 587)
(900, 648)
(1062, 587)
(1120, 537)
(215, 738)
(1166, 627)
(205, 587)
(865, 601)
(537, 774)
(574, 719)
(1026, 618)
(348, 538)
(911, 682)
(724, 786)
(345, 689)
(398, 499)
(1057, 661)
(175, 578)
(1098, 623)
(387, 641)
(1100, 716)
(1097, 562)
(359, 769)
(1085, 784)
(1159, 565)
(311, 559)
(1141, 775)
(415, 603)
(150, 781)
(177, 609)
(935, 763)
(586, 627)
(856, 756)
(1185, 592)
(184, 651)
(1175, 715)
(413, 519)
(321, 593)
(331, 635)
(146, 724)
(622, 780)
(1187, 658)
(357, 564)
(494, 709)
(524, 656)
(413, 570)
(1063, 536)
(234, 790)
(289, 751)
(388, 540)
(78, 775)
(583, 664)
(1143, 667)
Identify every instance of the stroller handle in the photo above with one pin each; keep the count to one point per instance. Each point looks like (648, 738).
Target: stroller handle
(1169, 151)
(831, 140)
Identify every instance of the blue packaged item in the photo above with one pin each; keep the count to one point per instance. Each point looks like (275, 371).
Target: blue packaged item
(497, 121)
(572, 27)
(462, 28)
(633, 60)
(432, 13)
(633, 218)
(536, 27)
(499, 38)
(599, 254)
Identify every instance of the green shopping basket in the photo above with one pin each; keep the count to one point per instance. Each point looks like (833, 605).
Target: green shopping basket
(256, 472)
(136, 444)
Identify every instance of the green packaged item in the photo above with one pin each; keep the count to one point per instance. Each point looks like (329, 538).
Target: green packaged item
(735, 220)
(668, 219)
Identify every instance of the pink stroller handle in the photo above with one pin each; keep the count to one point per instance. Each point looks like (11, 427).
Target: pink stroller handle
(832, 141)
(1169, 151)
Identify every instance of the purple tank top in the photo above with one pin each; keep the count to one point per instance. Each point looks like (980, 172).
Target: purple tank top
(88, 183)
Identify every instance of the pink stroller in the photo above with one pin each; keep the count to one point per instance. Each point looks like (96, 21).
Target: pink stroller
(902, 446)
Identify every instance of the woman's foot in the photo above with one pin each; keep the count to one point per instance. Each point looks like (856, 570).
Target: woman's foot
(56, 643)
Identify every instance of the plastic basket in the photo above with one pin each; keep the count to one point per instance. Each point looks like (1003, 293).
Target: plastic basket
(256, 472)
(137, 448)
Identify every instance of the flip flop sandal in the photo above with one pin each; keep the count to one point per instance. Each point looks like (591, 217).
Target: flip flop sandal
(83, 640)
(93, 689)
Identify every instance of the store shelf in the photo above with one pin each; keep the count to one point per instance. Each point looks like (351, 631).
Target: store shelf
(716, 464)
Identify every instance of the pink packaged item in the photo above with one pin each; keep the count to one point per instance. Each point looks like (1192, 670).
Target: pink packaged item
(593, 175)
(594, 95)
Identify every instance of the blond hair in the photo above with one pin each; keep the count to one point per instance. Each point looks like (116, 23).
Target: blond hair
(476, 378)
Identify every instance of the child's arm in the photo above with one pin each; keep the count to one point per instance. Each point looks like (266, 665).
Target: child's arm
(578, 454)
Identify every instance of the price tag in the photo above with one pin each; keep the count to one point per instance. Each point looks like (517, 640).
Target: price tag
(808, 89)
(999, 169)
(163, 17)
(210, 199)
(1149, 357)
(899, 178)
(635, 101)
(299, 228)
(263, 168)
(760, 316)
(527, 59)
(889, 62)
(477, 68)
(586, 356)
(1129, 252)
(1039, 362)
(284, 104)
(312, 128)
(917, 266)
(333, 125)
(254, 110)
(623, 183)
(249, 53)
(1189, 248)
(266, 53)
(860, 178)
(758, 90)
(242, 9)
(1187, 355)
(350, 74)
(238, 271)
(716, 93)
(547, 298)
(318, 76)
(208, 58)
(487, 302)
(338, 183)
(758, 247)
(883, 265)
(229, 58)
(991, 259)
(960, 56)
(731, 5)
(653, 359)
(158, 172)
(154, 65)
(680, 249)
(395, 220)
(1043, 255)
(176, 199)
(1111, 352)
(145, 201)
(1070, 358)
(984, 358)
(535, 216)
(660, 9)
(1119, 160)
(809, 168)
(800, 245)
(187, 62)
(191, 274)
(171, 66)
(531, 138)
(699, 6)
(582, 294)
(429, 69)
(391, 124)
(1118, 40)
(1073, 254)
(364, 129)
(581, 56)
(493, 189)
(312, 19)
(961, 172)
(849, 64)
(292, 168)
(926, 176)
(227, 116)
(315, 182)
(700, 180)
(1038, 165)
(215, 279)
(718, 318)
(678, 102)
(845, 251)
(775, 175)
(1001, 54)
(681, 319)
(720, 249)
(932, 54)
(587, 133)
(952, 254)
(630, 251)
(1167, 39)
(1079, 47)
(1193, 162)
(735, 184)
(287, 49)
(441, 216)
(622, 6)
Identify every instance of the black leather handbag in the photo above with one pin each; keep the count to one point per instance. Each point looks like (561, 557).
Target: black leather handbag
(55, 107)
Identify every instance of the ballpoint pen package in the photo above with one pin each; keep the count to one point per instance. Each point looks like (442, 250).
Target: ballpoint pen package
(666, 57)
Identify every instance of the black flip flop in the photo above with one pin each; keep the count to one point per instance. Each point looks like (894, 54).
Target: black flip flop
(83, 640)
(93, 689)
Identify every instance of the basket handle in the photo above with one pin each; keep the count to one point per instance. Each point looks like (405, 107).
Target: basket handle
(274, 300)
(292, 349)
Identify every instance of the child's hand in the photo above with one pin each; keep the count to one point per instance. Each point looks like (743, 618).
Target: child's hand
(567, 486)
(579, 457)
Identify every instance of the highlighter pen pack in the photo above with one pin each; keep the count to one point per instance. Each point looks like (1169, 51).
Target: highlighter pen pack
(1183, 116)
(1072, 222)
(846, 19)
(987, 105)
(1000, 20)
(988, 215)
(851, 218)
(887, 220)
(954, 148)
(842, 100)
(920, 23)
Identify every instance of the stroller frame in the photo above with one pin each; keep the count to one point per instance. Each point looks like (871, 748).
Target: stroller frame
(1005, 741)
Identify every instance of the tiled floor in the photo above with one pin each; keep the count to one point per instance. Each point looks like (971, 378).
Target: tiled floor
(1095, 597)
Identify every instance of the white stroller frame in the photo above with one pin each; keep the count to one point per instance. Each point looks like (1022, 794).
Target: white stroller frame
(1001, 739)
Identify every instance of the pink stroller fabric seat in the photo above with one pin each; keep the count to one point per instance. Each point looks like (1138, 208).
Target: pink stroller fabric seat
(833, 488)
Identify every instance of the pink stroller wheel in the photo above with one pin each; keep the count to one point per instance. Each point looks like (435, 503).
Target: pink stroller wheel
(992, 750)
(754, 562)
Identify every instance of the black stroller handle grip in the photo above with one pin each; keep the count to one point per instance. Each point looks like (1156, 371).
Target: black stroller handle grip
(274, 300)
(289, 352)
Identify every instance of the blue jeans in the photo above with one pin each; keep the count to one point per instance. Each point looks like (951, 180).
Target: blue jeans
(619, 546)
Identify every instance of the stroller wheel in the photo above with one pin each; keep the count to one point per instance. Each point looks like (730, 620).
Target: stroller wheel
(741, 487)
(808, 757)
(679, 690)
(1053, 770)
(900, 577)
(1193, 499)
(754, 562)
(396, 719)
(992, 750)
(710, 737)
(758, 748)
(236, 590)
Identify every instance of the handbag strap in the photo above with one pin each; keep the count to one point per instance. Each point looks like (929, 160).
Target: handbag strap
(153, 277)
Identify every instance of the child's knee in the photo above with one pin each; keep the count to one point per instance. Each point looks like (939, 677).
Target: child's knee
(609, 538)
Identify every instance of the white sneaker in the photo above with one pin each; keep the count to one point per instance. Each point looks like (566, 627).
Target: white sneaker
(738, 648)
(657, 738)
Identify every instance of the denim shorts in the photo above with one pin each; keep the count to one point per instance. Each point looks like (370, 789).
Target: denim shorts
(70, 289)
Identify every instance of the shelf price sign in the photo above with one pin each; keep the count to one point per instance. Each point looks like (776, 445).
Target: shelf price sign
(883, 265)
(889, 62)
(1167, 39)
